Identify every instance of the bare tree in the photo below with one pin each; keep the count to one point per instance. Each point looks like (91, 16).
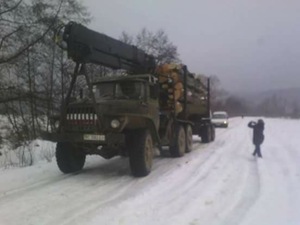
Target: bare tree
(154, 43)
(126, 38)
(33, 72)
(218, 95)
(15, 23)
(295, 110)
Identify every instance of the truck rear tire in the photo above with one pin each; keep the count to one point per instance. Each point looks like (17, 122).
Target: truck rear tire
(206, 134)
(178, 144)
(69, 158)
(189, 138)
(141, 153)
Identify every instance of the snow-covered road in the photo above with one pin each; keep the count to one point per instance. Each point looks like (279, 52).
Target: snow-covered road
(219, 183)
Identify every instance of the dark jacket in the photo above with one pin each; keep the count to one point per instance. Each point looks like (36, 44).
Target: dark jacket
(258, 131)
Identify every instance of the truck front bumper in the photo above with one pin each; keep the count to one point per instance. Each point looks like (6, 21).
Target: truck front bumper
(111, 139)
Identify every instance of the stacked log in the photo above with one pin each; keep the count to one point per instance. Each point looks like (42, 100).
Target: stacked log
(171, 83)
(171, 79)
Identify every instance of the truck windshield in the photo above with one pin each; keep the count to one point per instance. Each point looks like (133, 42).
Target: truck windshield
(120, 90)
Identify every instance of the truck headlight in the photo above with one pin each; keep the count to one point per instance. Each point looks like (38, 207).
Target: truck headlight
(56, 124)
(115, 123)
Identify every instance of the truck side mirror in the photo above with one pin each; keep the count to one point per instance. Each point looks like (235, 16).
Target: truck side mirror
(154, 91)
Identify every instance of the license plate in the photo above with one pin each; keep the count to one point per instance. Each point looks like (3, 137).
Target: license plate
(93, 137)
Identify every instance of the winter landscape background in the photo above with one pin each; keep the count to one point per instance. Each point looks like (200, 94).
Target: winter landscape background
(217, 183)
(249, 49)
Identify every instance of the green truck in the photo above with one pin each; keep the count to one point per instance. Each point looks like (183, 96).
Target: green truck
(151, 106)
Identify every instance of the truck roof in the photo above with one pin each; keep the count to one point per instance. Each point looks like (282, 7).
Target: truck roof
(143, 77)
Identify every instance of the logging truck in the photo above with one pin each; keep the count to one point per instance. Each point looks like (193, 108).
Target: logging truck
(150, 106)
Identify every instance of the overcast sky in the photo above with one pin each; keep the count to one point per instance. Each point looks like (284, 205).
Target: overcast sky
(249, 44)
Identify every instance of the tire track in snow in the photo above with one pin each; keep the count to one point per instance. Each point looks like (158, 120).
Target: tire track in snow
(118, 197)
(183, 186)
(43, 197)
(279, 191)
(282, 171)
(188, 174)
(45, 183)
(243, 187)
(243, 196)
(92, 204)
(247, 195)
(248, 192)
(17, 192)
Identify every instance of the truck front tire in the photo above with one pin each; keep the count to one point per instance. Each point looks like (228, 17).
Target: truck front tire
(141, 153)
(69, 158)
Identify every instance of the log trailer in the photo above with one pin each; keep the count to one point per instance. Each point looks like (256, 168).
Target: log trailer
(152, 106)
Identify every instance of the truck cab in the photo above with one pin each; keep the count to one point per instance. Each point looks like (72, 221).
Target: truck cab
(124, 108)
(123, 103)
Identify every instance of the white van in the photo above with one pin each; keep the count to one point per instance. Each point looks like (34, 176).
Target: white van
(220, 119)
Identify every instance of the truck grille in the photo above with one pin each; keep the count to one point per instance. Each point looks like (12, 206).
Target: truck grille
(81, 119)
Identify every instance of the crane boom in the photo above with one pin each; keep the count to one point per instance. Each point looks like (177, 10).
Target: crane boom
(88, 46)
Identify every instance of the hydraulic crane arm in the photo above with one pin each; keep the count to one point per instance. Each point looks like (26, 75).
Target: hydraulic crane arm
(88, 46)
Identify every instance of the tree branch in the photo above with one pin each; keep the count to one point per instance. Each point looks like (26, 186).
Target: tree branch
(8, 35)
(22, 50)
(12, 8)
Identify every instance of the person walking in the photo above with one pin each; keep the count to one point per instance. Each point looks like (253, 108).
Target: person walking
(258, 135)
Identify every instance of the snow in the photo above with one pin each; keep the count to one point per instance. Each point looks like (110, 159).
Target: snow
(219, 183)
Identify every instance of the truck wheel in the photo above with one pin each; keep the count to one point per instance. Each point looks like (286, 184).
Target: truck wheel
(206, 135)
(69, 158)
(178, 144)
(189, 138)
(141, 153)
